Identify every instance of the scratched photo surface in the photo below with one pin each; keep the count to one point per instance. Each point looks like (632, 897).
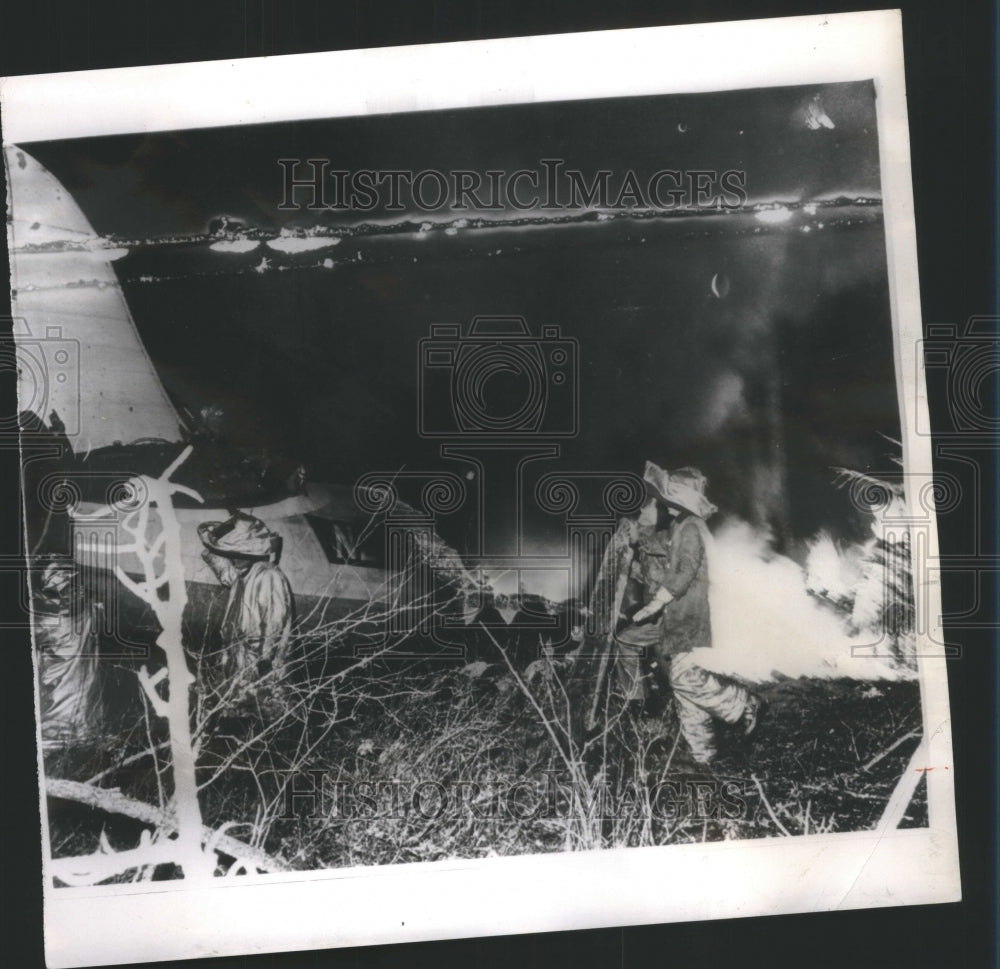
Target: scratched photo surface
(458, 484)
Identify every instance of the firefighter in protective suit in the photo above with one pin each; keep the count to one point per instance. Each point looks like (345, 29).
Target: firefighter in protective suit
(666, 613)
(257, 623)
(65, 635)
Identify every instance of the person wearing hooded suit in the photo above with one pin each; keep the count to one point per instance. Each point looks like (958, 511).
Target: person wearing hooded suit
(257, 623)
(70, 692)
(666, 610)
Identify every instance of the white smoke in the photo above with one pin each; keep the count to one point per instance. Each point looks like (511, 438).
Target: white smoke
(726, 401)
(765, 623)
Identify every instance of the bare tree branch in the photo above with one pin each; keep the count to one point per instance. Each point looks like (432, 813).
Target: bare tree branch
(114, 802)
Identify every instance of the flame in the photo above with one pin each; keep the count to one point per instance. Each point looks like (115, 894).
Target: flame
(765, 622)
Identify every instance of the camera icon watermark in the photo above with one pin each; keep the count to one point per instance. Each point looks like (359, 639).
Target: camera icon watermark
(498, 396)
(48, 379)
(963, 370)
(498, 381)
(961, 367)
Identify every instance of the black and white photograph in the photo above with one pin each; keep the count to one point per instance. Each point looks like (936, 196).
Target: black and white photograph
(474, 495)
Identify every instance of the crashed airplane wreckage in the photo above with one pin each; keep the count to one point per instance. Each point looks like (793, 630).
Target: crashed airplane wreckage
(94, 415)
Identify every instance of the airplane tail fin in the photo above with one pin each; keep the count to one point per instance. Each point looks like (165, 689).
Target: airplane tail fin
(79, 354)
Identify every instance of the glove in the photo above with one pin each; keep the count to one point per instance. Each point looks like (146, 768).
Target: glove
(662, 597)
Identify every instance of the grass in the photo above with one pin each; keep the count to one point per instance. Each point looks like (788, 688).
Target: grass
(422, 759)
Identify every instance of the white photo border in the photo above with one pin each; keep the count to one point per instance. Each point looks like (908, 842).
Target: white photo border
(455, 899)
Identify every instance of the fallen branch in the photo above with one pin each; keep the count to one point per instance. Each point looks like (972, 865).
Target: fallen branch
(135, 758)
(114, 802)
(888, 750)
(86, 870)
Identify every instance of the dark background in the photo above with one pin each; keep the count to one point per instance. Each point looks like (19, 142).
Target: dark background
(766, 389)
(950, 73)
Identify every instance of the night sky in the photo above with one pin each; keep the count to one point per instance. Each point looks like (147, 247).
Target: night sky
(768, 383)
(174, 182)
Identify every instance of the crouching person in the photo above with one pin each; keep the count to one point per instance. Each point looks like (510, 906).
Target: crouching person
(257, 622)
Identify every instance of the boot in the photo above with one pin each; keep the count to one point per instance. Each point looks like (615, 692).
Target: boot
(753, 714)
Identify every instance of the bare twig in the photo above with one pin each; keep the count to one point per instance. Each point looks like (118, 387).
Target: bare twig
(149, 752)
(767, 804)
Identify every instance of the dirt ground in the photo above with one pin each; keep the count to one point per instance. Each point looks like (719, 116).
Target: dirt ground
(448, 759)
